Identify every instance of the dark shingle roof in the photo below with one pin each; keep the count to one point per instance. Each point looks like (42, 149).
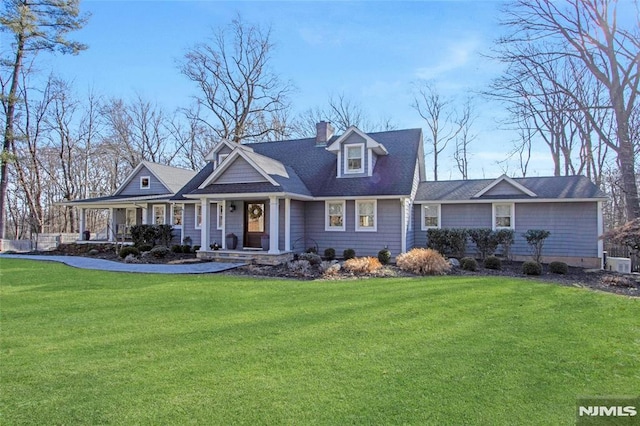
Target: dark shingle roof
(555, 187)
(312, 170)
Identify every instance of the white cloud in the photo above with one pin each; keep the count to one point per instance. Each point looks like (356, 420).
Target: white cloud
(457, 55)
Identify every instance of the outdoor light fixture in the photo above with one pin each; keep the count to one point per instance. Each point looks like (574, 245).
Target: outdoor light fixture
(232, 208)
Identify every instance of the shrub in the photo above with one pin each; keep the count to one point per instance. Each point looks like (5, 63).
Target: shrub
(196, 248)
(176, 248)
(94, 252)
(165, 234)
(468, 264)
(144, 234)
(348, 254)
(535, 238)
(312, 258)
(186, 248)
(362, 265)
(145, 247)
(126, 251)
(493, 262)
(384, 256)
(131, 258)
(330, 253)
(506, 238)
(312, 250)
(299, 267)
(559, 268)
(531, 268)
(486, 241)
(448, 241)
(626, 235)
(160, 251)
(423, 262)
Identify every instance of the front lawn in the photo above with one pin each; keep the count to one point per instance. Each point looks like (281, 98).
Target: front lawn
(87, 347)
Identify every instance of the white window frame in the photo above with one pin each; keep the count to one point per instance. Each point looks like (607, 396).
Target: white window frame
(423, 218)
(148, 178)
(173, 215)
(346, 158)
(197, 224)
(373, 228)
(327, 219)
(220, 219)
(164, 214)
(512, 216)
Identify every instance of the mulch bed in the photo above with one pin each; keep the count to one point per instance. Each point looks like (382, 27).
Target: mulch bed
(612, 282)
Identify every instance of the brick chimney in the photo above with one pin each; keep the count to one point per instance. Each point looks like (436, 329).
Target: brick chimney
(324, 132)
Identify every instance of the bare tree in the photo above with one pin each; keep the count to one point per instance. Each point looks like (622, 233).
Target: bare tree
(443, 121)
(464, 139)
(35, 26)
(587, 32)
(237, 88)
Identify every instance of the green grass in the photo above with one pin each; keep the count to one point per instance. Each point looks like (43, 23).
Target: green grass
(86, 347)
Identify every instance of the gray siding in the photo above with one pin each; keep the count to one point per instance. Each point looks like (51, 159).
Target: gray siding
(188, 222)
(573, 226)
(235, 222)
(298, 220)
(133, 187)
(364, 243)
(240, 172)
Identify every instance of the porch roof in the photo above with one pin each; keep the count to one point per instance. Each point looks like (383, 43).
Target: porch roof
(115, 200)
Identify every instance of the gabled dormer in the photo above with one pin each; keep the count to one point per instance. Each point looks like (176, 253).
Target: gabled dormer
(504, 186)
(356, 153)
(222, 150)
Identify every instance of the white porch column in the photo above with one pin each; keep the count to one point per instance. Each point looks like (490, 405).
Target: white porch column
(223, 243)
(112, 225)
(403, 221)
(600, 225)
(145, 214)
(205, 229)
(273, 225)
(83, 222)
(287, 224)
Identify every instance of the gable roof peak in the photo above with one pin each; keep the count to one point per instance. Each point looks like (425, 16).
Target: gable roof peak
(511, 181)
(371, 143)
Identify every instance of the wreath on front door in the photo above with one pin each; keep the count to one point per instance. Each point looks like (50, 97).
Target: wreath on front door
(255, 212)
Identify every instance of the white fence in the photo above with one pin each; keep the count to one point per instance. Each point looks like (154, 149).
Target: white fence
(39, 242)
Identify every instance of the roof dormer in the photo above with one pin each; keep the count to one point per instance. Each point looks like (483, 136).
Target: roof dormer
(356, 153)
(222, 150)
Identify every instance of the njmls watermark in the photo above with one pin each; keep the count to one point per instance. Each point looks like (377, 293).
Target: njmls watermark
(608, 411)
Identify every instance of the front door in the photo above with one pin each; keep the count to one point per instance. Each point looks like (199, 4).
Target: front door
(254, 220)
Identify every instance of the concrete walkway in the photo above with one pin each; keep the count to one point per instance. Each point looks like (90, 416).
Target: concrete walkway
(108, 265)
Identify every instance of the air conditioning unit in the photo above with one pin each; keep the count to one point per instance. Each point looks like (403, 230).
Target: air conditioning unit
(619, 264)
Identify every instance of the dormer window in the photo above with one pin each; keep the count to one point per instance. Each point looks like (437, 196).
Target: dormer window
(145, 182)
(354, 158)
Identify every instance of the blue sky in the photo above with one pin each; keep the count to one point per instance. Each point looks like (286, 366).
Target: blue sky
(370, 51)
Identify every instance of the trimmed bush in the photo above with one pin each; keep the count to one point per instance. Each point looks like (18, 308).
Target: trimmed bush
(186, 248)
(535, 238)
(531, 268)
(312, 258)
(486, 241)
(144, 234)
(362, 265)
(160, 251)
(493, 262)
(384, 256)
(423, 262)
(559, 268)
(469, 264)
(126, 251)
(451, 241)
(176, 248)
(348, 254)
(329, 253)
(506, 238)
(196, 248)
(145, 247)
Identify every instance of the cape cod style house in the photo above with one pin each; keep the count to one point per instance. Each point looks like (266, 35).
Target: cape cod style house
(364, 191)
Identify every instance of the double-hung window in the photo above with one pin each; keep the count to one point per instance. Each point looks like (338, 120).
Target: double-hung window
(354, 158)
(159, 215)
(334, 215)
(366, 215)
(177, 215)
(430, 216)
(198, 217)
(503, 216)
